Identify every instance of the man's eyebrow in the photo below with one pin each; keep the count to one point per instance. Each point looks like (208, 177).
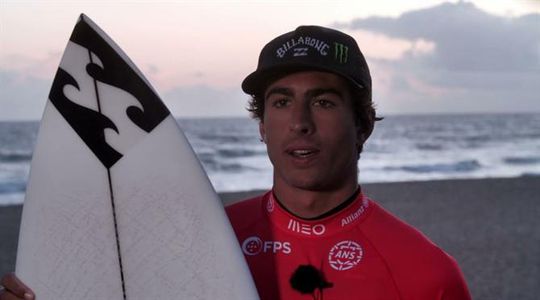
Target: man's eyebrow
(279, 90)
(310, 94)
(318, 92)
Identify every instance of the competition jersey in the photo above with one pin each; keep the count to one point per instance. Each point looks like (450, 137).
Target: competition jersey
(359, 252)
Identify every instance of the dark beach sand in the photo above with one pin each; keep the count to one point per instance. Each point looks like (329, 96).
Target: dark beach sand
(490, 226)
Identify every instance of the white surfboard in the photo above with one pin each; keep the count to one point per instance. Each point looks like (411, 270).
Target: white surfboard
(117, 205)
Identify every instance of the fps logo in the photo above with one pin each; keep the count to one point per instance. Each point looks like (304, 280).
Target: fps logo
(254, 246)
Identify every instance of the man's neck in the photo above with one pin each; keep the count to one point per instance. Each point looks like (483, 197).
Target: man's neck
(309, 204)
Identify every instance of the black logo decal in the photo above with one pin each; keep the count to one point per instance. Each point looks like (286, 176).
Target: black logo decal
(341, 53)
(90, 124)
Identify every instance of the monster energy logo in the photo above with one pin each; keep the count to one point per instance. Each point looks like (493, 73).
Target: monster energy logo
(341, 53)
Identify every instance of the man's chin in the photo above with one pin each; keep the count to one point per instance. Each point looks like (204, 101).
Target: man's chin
(311, 184)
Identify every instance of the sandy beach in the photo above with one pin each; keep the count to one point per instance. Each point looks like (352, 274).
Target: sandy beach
(490, 226)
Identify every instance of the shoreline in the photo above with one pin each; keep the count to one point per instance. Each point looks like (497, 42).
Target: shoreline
(490, 226)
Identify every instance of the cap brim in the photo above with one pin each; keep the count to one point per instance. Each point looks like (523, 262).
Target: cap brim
(260, 79)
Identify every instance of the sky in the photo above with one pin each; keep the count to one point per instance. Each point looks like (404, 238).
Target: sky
(425, 56)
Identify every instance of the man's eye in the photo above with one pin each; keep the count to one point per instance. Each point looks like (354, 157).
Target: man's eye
(280, 102)
(324, 103)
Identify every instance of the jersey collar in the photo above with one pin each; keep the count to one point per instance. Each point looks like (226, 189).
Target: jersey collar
(339, 221)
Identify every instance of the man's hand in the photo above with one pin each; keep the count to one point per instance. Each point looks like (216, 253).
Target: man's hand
(12, 288)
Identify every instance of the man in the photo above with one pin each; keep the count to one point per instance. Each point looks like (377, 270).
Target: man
(315, 235)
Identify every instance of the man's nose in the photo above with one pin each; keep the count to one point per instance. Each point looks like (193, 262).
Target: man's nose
(302, 120)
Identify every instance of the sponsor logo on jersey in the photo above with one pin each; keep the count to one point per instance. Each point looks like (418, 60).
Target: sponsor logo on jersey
(345, 255)
(307, 229)
(356, 214)
(301, 45)
(270, 205)
(254, 245)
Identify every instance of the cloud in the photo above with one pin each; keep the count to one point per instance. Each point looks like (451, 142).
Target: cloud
(203, 100)
(152, 69)
(463, 60)
(388, 48)
(22, 96)
(37, 67)
(466, 37)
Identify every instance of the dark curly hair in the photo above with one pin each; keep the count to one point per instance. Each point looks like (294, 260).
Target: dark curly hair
(364, 111)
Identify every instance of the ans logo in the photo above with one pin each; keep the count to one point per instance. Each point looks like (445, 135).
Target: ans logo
(341, 53)
(254, 246)
(345, 255)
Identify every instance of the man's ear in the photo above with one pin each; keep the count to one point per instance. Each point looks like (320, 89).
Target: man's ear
(362, 134)
(262, 132)
(360, 137)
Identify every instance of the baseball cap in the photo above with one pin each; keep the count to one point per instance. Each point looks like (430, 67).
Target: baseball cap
(310, 48)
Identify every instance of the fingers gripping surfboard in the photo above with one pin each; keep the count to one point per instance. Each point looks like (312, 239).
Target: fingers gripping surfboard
(117, 204)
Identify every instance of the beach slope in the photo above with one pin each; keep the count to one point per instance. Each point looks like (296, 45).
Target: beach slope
(490, 226)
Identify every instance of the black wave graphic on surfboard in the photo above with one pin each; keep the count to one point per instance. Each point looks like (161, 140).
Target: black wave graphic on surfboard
(90, 124)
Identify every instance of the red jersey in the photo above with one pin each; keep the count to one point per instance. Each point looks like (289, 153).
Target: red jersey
(359, 252)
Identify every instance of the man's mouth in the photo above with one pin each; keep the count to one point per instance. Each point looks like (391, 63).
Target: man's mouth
(302, 153)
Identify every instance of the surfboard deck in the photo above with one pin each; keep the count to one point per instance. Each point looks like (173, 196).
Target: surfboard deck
(117, 205)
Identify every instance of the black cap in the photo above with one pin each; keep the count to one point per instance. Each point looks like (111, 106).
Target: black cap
(310, 48)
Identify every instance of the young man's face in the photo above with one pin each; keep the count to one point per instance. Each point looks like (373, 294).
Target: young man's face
(310, 132)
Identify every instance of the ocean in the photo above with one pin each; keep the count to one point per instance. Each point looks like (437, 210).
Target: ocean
(402, 148)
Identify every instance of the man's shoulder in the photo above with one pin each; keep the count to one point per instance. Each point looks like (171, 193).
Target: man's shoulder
(385, 230)
(383, 226)
(244, 211)
(251, 203)
(404, 248)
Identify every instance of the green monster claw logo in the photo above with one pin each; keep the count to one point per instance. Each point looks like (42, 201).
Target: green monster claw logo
(341, 53)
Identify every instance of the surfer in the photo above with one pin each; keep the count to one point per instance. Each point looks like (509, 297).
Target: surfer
(315, 235)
